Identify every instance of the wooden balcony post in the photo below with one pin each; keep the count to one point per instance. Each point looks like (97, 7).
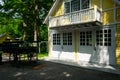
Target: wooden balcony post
(95, 12)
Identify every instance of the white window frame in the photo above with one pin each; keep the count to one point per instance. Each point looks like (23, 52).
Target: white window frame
(70, 5)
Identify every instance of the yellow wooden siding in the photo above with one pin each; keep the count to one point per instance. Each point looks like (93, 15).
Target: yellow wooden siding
(107, 4)
(59, 10)
(108, 17)
(95, 3)
(118, 45)
(118, 38)
(118, 15)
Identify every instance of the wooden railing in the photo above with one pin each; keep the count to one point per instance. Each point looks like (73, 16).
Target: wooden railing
(82, 16)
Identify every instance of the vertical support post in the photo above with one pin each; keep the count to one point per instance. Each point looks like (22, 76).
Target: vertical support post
(101, 9)
(76, 45)
(95, 12)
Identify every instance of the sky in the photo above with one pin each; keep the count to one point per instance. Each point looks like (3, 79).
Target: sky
(0, 1)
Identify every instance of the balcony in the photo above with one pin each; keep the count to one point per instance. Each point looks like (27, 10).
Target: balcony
(86, 16)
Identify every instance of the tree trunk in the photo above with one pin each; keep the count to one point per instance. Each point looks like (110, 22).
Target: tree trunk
(25, 31)
(36, 12)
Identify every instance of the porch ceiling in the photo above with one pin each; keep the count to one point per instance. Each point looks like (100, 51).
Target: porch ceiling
(78, 26)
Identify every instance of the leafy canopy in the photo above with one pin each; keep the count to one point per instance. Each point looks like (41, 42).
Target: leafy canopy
(17, 16)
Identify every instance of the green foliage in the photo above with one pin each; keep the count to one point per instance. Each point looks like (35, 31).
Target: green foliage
(15, 13)
(43, 54)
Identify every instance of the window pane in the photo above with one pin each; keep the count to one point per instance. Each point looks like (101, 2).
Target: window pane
(89, 38)
(64, 38)
(69, 38)
(82, 38)
(103, 36)
(75, 5)
(99, 37)
(85, 4)
(67, 7)
(58, 39)
(54, 39)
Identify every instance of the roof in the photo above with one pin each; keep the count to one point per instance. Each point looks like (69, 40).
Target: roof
(54, 6)
(1, 35)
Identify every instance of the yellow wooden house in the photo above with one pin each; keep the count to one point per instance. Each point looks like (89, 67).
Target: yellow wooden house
(85, 30)
(3, 37)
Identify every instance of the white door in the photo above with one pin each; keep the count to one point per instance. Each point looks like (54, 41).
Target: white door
(105, 46)
(56, 45)
(97, 46)
(67, 46)
(63, 47)
(86, 45)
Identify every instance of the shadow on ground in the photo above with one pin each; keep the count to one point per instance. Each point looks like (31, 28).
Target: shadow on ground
(43, 70)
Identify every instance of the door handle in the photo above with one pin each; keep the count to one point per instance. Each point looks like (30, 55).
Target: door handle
(62, 47)
(95, 48)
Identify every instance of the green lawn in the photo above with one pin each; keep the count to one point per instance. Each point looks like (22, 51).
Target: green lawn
(42, 54)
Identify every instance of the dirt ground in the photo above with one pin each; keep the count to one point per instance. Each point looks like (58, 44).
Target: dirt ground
(45, 70)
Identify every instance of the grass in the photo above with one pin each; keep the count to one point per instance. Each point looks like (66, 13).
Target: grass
(43, 54)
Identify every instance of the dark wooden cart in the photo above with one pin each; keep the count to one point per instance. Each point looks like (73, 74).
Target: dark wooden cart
(16, 48)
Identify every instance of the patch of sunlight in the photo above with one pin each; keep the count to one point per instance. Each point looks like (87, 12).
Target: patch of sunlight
(67, 74)
(42, 73)
(18, 74)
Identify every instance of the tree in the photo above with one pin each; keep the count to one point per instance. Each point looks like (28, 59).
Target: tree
(30, 13)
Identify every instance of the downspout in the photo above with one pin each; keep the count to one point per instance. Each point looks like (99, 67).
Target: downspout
(101, 8)
(115, 25)
(115, 13)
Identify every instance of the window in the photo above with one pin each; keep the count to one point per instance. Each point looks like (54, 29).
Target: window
(85, 4)
(103, 37)
(82, 38)
(56, 39)
(89, 38)
(107, 37)
(76, 5)
(99, 37)
(67, 7)
(67, 38)
(86, 38)
(64, 38)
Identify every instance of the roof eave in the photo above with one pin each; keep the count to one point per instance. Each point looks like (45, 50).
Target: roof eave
(51, 11)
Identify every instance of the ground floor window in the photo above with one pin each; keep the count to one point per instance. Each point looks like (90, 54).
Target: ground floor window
(56, 39)
(86, 38)
(103, 37)
(67, 38)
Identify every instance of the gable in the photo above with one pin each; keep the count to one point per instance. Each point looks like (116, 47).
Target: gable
(58, 9)
(54, 6)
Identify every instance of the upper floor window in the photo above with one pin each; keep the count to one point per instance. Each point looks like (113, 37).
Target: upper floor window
(75, 5)
(67, 7)
(85, 4)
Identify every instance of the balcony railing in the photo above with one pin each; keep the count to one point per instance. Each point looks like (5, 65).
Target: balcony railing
(82, 16)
